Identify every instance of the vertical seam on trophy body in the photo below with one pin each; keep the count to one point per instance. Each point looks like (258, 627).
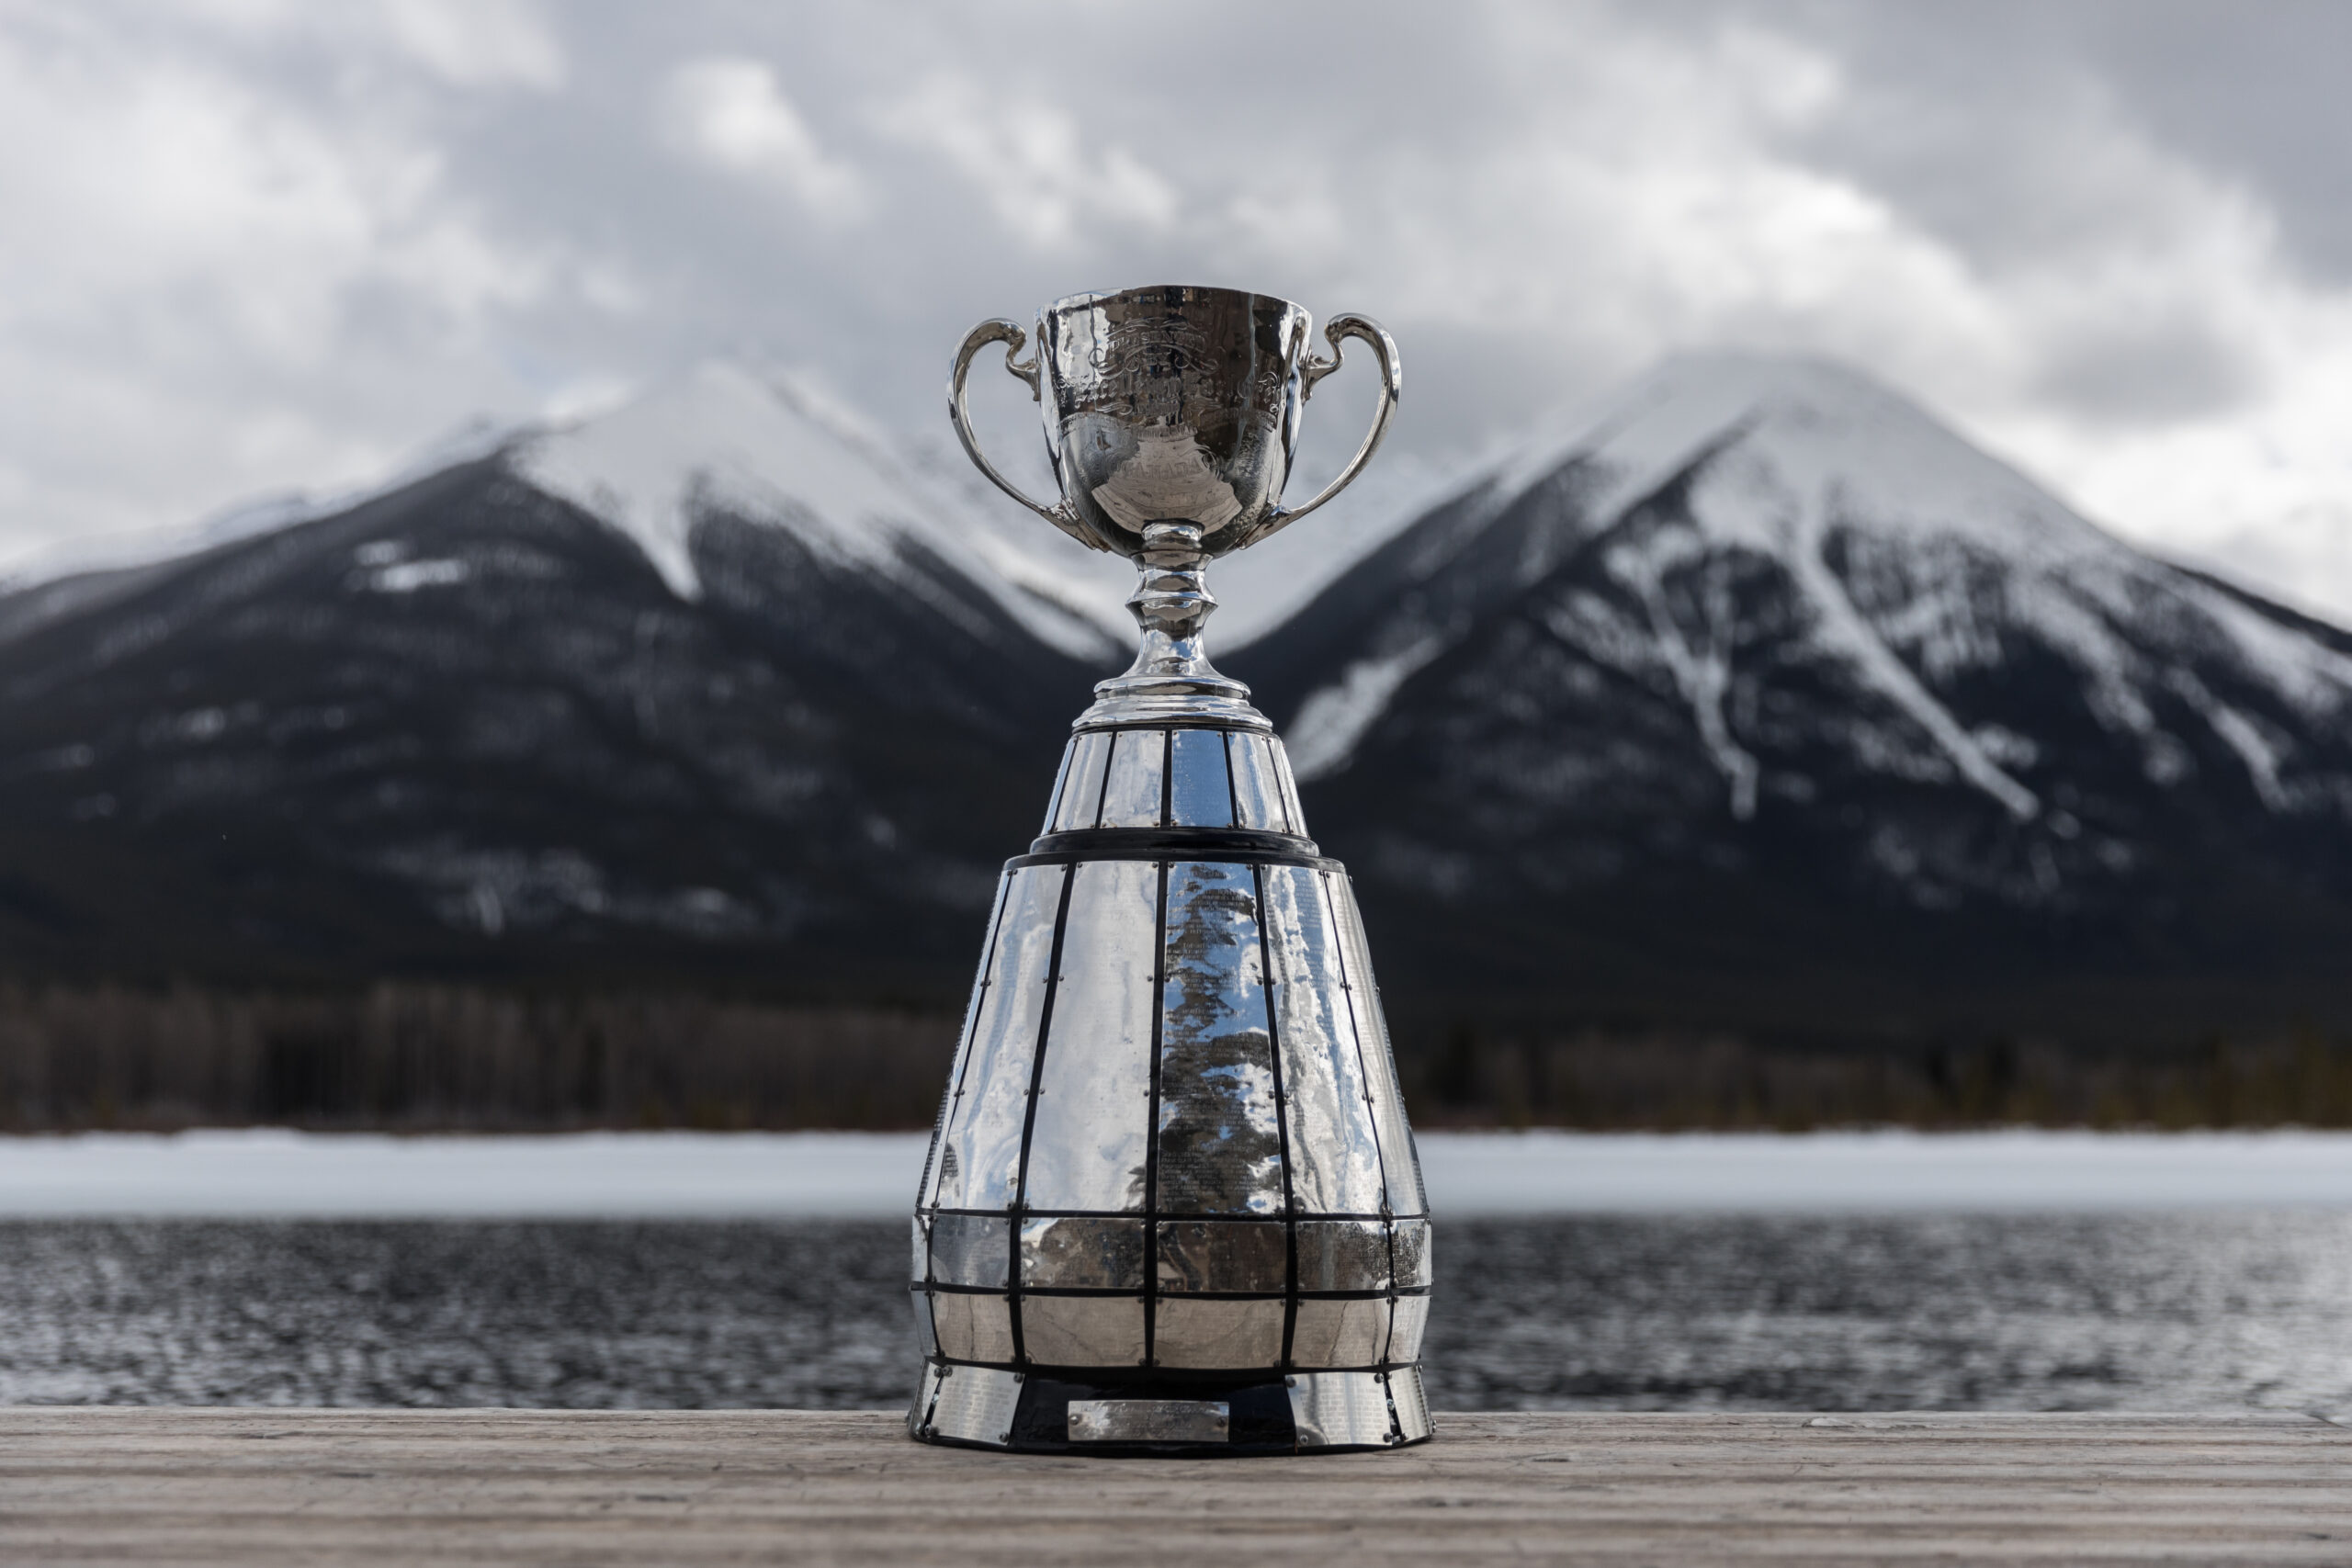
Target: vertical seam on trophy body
(1293, 808)
(1282, 1123)
(1232, 790)
(1061, 781)
(1103, 787)
(1388, 1341)
(1276, 766)
(1073, 779)
(1151, 1128)
(1167, 778)
(1029, 1120)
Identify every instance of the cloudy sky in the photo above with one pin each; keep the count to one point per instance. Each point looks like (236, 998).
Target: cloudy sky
(257, 245)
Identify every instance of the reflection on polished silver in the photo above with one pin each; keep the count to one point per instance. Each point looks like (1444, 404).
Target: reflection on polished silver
(1343, 1255)
(970, 1249)
(1088, 1147)
(1346, 1333)
(1200, 789)
(1219, 1255)
(1172, 1202)
(1347, 1410)
(1082, 1252)
(970, 1328)
(1083, 1331)
(1412, 1252)
(966, 1405)
(1221, 1336)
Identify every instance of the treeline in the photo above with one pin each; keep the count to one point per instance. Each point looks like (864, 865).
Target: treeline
(411, 1056)
(1463, 1077)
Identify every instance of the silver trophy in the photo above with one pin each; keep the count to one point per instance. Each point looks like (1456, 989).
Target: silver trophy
(1172, 1204)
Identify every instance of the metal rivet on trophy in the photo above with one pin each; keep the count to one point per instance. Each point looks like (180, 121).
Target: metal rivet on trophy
(1172, 1204)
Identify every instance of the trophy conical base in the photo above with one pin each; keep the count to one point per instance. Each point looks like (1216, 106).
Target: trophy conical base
(1173, 700)
(1172, 1205)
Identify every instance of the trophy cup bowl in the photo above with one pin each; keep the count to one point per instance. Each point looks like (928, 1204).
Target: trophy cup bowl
(1172, 1204)
(1173, 405)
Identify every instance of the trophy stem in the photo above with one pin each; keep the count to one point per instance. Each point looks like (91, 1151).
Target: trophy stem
(1171, 676)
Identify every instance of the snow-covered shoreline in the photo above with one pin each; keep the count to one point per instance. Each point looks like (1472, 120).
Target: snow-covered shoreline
(272, 1173)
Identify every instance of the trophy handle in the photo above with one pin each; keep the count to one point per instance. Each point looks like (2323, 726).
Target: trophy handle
(1013, 337)
(1392, 381)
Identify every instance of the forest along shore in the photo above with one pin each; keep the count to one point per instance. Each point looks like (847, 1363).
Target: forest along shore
(411, 1056)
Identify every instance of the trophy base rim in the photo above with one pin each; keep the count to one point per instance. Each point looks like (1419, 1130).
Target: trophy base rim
(1126, 700)
(1127, 713)
(1245, 1414)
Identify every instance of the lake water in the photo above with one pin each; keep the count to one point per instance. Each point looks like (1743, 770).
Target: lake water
(2139, 1310)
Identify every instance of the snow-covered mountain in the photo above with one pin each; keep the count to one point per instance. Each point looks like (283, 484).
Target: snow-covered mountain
(1755, 697)
(1759, 658)
(720, 438)
(709, 680)
(772, 451)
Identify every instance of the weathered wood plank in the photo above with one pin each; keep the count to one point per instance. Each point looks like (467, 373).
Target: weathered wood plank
(492, 1487)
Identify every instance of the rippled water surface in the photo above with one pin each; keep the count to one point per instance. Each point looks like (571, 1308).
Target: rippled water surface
(2135, 1312)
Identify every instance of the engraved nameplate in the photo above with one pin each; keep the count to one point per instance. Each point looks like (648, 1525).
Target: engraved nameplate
(1149, 1421)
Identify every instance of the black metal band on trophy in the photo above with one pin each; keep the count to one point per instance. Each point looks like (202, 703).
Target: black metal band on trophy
(1173, 1203)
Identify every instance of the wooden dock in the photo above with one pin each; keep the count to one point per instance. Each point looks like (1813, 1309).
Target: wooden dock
(495, 1486)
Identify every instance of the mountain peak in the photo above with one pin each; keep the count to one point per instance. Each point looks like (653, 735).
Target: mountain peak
(1730, 525)
(775, 451)
(1781, 448)
(720, 437)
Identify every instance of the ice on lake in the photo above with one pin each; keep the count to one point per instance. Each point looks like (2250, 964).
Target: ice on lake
(844, 1175)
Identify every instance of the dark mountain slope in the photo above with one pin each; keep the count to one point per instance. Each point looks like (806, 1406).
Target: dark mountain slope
(1765, 702)
(466, 727)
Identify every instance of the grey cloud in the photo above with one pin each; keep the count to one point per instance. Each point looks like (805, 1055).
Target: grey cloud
(1539, 199)
(2254, 90)
(2164, 371)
